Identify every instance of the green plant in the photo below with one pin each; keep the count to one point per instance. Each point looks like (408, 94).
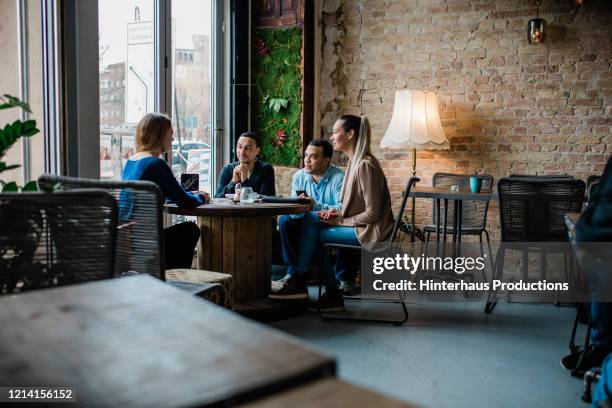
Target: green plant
(9, 135)
(277, 105)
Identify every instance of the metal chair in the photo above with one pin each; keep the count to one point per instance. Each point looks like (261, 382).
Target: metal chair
(58, 239)
(532, 210)
(140, 237)
(473, 214)
(394, 234)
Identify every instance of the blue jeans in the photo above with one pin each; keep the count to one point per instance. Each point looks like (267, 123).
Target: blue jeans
(344, 236)
(601, 330)
(300, 242)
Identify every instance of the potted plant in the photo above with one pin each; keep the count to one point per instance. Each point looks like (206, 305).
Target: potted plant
(11, 133)
(16, 255)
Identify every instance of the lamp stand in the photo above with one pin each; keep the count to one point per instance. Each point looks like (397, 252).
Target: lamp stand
(412, 227)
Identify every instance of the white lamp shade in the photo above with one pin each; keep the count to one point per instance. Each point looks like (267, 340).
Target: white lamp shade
(415, 122)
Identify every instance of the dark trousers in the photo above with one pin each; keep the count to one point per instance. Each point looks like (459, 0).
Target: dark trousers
(601, 330)
(180, 241)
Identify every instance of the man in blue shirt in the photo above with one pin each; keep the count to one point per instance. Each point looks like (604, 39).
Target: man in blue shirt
(321, 182)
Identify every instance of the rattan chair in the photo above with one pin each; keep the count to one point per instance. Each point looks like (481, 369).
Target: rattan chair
(140, 238)
(532, 211)
(356, 248)
(51, 240)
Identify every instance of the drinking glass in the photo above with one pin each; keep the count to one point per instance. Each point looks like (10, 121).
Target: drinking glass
(247, 196)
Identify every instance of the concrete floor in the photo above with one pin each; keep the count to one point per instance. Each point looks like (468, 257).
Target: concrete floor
(453, 355)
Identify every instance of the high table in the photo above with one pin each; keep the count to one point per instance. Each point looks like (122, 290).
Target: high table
(237, 239)
(444, 193)
(139, 342)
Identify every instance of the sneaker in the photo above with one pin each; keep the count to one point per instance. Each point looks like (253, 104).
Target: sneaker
(290, 287)
(328, 303)
(347, 288)
(276, 285)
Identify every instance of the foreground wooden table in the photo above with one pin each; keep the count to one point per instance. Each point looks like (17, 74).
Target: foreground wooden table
(138, 342)
(237, 239)
(328, 393)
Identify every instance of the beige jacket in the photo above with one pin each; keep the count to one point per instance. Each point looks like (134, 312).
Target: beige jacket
(366, 203)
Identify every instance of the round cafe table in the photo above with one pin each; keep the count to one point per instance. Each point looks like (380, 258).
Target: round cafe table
(237, 239)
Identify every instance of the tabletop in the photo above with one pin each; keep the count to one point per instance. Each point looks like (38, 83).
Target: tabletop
(137, 341)
(444, 193)
(226, 208)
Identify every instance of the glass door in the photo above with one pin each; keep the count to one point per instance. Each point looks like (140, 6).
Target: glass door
(127, 84)
(192, 49)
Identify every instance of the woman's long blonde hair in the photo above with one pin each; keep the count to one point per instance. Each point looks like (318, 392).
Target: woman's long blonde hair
(151, 131)
(361, 128)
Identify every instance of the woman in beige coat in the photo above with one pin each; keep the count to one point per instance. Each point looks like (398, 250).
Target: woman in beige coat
(366, 215)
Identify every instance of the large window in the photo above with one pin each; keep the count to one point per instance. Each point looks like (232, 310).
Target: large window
(191, 89)
(128, 88)
(21, 76)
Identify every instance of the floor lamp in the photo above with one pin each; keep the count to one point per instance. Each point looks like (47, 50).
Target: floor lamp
(415, 124)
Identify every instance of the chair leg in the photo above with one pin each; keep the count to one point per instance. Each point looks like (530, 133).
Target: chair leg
(395, 322)
(484, 274)
(328, 317)
(572, 345)
(489, 246)
(587, 341)
(498, 271)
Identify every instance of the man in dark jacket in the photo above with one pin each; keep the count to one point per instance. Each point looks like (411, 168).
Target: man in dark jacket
(248, 171)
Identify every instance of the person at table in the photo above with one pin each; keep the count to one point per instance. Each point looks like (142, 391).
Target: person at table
(366, 216)
(248, 170)
(595, 225)
(320, 182)
(154, 137)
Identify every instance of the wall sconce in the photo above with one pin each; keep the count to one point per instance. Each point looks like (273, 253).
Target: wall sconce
(536, 28)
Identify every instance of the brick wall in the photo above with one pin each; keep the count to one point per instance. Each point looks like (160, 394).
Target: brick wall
(506, 106)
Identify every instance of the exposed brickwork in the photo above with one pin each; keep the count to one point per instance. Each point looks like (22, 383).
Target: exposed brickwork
(506, 106)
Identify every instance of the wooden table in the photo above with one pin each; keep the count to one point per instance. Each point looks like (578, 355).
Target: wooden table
(328, 393)
(237, 239)
(444, 193)
(139, 342)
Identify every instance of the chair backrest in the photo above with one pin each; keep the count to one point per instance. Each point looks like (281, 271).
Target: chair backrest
(591, 180)
(398, 219)
(56, 239)
(474, 213)
(532, 210)
(140, 229)
(543, 176)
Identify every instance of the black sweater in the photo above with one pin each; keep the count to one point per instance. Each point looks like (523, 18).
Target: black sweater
(261, 180)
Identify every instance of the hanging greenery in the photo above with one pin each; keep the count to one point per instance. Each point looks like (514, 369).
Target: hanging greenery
(277, 103)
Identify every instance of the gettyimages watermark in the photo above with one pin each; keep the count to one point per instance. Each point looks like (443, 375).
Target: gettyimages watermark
(528, 272)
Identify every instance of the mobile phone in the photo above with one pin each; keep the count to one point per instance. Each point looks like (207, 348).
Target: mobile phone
(300, 192)
(190, 181)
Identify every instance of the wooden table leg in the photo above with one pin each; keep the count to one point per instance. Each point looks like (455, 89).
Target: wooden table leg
(241, 247)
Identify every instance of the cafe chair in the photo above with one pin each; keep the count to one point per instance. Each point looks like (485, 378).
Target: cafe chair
(473, 214)
(532, 211)
(357, 249)
(49, 240)
(543, 176)
(140, 246)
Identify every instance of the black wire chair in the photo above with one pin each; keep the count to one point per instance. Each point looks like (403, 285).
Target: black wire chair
(543, 176)
(473, 214)
(49, 240)
(532, 211)
(140, 237)
(397, 227)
